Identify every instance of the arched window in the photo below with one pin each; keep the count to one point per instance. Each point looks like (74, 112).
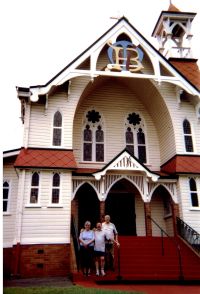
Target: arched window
(56, 188)
(57, 129)
(93, 137)
(34, 188)
(87, 145)
(135, 136)
(129, 140)
(5, 196)
(99, 144)
(193, 193)
(187, 136)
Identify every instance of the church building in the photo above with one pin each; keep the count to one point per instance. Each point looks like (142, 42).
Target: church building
(116, 132)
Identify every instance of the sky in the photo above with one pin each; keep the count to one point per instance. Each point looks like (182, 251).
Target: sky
(40, 37)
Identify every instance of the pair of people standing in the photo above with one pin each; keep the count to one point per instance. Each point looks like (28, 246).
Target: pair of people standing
(101, 240)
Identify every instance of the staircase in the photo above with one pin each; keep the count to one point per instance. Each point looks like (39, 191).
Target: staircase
(156, 258)
(151, 259)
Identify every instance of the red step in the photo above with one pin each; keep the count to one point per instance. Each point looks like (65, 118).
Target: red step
(141, 258)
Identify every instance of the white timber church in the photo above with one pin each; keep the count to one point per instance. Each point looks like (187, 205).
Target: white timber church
(116, 132)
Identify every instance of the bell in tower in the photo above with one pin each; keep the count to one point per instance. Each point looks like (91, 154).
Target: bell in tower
(173, 32)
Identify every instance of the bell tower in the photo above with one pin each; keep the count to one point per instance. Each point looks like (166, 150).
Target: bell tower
(173, 32)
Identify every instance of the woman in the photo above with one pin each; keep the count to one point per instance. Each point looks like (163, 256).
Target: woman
(99, 249)
(86, 240)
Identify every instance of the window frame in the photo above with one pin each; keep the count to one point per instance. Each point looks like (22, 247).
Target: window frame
(37, 204)
(8, 200)
(194, 192)
(190, 135)
(55, 187)
(55, 127)
(93, 127)
(135, 131)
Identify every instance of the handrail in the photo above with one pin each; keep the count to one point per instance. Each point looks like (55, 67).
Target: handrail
(74, 233)
(191, 236)
(119, 277)
(181, 277)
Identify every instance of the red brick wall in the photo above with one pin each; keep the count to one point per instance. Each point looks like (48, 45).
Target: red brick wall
(41, 260)
(7, 259)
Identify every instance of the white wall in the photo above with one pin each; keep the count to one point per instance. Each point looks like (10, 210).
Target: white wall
(47, 223)
(10, 175)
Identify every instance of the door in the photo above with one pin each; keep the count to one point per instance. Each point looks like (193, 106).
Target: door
(120, 205)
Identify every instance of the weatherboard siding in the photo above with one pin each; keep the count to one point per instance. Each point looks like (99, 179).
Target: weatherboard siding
(189, 214)
(9, 217)
(115, 102)
(47, 224)
(41, 119)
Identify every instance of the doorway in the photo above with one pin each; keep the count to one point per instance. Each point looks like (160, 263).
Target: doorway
(120, 205)
(87, 205)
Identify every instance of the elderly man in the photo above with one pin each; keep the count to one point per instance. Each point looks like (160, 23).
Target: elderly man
(111, 238)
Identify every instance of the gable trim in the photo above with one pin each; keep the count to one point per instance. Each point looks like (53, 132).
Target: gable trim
(125, 161)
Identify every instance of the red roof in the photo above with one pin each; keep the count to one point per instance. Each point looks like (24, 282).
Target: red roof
(46, 158)
(182, 164)
(173, 8)
(188, 68)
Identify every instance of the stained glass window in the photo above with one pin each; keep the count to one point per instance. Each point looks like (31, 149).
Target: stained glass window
(141, 146)
(93, 138)
(5, 196)
(135, 137)
(57, 129)
(129, 140)
(193, 193)
(34, 188)
(56, 188)
(87, 146)
(187, 136)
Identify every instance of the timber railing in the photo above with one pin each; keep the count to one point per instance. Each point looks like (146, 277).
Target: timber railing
(75, 237)
(191, 236)
(181, 277)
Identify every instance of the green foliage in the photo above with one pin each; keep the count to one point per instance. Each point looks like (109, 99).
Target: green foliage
(62, 290)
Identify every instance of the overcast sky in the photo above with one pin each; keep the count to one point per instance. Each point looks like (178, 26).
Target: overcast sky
(40, 37)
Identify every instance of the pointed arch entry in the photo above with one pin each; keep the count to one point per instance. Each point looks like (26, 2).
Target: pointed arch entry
(120, 205)
(86, 206)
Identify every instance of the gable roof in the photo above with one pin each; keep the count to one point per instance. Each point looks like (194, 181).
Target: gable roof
(121, 26)
(45, 158)
(126, 161)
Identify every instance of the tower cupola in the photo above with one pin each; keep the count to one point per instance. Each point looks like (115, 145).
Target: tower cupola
(173, 32)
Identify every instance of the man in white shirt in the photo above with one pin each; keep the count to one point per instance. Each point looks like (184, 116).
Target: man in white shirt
(112, 237)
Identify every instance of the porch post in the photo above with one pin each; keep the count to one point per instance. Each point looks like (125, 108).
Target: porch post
(102, 210)
(175, 213)
(147, 211)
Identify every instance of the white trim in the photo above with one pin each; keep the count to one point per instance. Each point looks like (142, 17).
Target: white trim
(11, 153)
(191, 135)
(192, 208)
(59, 204)
(135, 132)
(32, 205)
(52, 129)
(126, 162)
(7, 212)
(93, 128)
(37, 204)
(19, 208)
(119, 28)
(8, 245)
(45, 240)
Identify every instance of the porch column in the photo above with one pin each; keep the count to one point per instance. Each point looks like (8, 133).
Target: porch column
(102, 210)
(175, 213)
(147, 211)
